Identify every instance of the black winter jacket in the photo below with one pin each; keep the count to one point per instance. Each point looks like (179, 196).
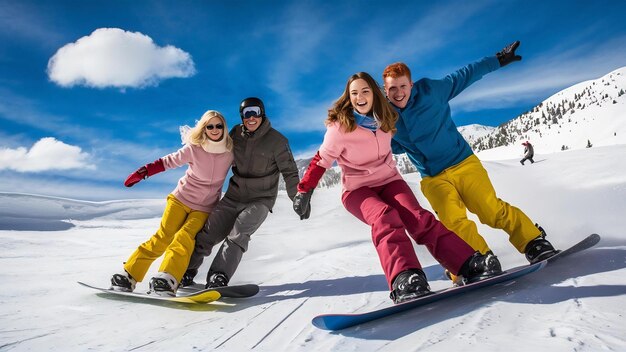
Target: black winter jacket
(259, 158)
(529, 151)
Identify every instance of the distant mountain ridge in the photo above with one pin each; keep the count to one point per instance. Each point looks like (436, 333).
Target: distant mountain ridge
(472, 133)
(588, 113)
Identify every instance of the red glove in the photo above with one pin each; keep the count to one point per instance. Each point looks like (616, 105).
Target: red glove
(312, 175)
(145, 172)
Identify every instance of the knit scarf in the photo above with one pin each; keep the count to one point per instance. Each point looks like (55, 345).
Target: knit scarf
(215, 147)
(371, 123)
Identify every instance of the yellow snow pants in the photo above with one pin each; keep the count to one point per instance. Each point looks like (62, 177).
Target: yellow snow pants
(466, 186)
(176, 237)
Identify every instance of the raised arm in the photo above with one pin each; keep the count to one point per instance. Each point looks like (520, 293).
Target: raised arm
(454, 83)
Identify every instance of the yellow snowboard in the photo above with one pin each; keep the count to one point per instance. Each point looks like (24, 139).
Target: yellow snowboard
(204, 296)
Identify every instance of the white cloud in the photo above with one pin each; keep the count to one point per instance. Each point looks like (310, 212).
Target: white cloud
(112, 57)
(46, 154)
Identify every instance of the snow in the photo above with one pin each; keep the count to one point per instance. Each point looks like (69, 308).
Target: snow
(597, 115)
(322, 265)
(474, 131)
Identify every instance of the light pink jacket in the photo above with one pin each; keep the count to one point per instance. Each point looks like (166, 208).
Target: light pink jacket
(364, 156)
(201, 186)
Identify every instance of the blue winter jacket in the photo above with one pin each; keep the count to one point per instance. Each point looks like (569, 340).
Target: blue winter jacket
(426, 132)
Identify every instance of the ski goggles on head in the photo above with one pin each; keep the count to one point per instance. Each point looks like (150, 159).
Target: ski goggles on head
(219, 126)
(251, 111)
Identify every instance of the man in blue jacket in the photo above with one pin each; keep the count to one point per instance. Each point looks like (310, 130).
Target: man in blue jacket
(453, 178)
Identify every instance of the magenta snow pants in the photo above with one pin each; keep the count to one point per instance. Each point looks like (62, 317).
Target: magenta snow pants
(391, 209)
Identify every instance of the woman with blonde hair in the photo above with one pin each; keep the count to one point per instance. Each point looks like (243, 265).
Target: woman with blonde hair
(208, 154)
(360, 126)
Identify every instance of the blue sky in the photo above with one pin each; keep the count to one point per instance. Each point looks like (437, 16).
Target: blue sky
(91, 90)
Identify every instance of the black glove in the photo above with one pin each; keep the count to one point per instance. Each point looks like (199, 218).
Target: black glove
(302, 204)
(507, 55)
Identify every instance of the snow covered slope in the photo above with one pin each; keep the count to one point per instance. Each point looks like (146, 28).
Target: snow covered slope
(325, 264)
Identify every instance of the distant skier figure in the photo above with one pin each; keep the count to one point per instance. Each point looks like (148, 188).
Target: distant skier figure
(359, 129)
(529, 152)
(453, 178)
(207, 151)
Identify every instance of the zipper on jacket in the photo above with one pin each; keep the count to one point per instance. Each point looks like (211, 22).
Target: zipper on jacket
(377, 145)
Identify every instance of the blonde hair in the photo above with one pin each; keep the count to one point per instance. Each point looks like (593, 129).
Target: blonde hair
(198, 136)
(342, 110)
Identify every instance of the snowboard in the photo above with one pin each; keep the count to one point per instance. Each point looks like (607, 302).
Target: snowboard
(194, 297)
(341, 321)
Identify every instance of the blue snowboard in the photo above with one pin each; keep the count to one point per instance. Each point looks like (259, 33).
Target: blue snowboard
(342, 321)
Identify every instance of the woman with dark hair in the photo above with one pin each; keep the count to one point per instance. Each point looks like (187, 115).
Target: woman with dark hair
(360, 126)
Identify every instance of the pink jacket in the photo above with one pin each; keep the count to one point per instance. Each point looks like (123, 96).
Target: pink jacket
(364, 156)
(201, 186)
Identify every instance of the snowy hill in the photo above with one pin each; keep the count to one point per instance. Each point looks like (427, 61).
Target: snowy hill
(51, 213)
(473, 132)
(589, 112)
(325, 264)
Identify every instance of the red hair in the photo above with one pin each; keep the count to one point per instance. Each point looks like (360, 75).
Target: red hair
(396, 70)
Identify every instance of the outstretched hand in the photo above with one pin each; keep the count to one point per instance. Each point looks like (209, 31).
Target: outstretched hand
(144, 172)
(136, 176)
(302, 204)
(507, 55)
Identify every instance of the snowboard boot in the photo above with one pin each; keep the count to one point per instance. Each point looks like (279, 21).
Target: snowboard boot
(539, 248)
(123, 282)
(188, 276)
(163, 284)
(216, 279)
(408, 285)
(479, 267)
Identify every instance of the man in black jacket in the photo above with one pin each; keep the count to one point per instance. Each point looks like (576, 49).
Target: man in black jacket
(261, 154)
